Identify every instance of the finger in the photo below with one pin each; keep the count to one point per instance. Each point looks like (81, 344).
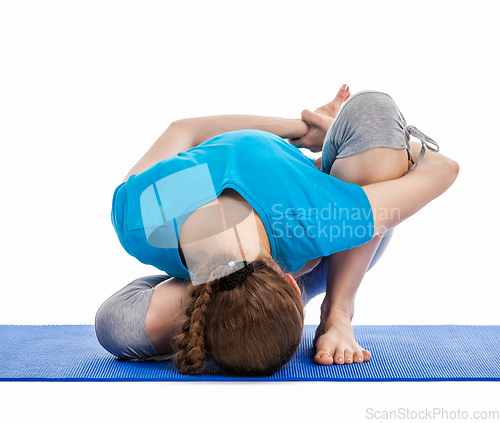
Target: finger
(317, 120)
(298, 142)
(306, 116)
(311, 118)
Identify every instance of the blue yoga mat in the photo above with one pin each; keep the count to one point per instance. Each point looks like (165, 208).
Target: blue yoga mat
(399, 353)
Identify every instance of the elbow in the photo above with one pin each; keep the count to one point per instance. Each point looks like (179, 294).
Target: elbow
(451, 170)
(454, 169)
(181, 123)
(186, 124)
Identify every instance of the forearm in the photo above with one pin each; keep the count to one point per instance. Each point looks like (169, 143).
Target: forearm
(346, 270)
(184, 134)
(204, 128)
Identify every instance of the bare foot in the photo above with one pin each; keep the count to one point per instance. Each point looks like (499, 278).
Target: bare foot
(335, 343)
(332, 108)
(320, 121)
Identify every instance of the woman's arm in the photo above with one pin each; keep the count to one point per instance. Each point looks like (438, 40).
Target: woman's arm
(405, 195)
(184, 134)
(392, 202)
(204, 128)
(396, 200)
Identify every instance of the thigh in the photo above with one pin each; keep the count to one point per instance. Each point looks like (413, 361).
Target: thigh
(368, 167)
(368, 141)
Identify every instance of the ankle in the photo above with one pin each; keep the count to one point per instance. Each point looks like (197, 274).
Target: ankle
(336, 308)
(335, 314)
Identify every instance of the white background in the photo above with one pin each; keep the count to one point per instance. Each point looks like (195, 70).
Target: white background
(87, 87)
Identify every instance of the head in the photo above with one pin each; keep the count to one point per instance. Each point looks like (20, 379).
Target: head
(251, 330)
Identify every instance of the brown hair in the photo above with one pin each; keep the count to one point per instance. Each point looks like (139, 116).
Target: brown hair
(251, 330)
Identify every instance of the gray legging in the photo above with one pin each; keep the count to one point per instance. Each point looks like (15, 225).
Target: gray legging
(120, 321)
(367, 120)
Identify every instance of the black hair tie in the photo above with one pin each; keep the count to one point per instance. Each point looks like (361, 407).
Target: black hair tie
(228, 282)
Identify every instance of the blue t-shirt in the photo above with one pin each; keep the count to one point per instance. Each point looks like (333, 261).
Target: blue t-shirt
(306, 213)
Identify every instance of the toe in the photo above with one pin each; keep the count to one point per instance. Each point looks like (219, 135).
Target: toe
(348, 356)
(339, 357)
(332, 108)
(343, 94)
(323, 358)
(366, 355)
(358, 357)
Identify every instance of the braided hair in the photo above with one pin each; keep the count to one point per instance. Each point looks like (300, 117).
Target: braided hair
(191, 342)
(250, 328)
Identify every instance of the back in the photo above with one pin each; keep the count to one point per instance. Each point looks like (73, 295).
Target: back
(303, 210)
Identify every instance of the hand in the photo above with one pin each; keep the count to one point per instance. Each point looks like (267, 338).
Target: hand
(320, 121)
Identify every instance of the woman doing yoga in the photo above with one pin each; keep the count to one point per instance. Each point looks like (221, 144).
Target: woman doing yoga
(248, 230)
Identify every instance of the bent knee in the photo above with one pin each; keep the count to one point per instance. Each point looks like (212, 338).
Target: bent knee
(120, 330)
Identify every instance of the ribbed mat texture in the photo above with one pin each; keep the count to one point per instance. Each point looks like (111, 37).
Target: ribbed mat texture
(399, 353)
